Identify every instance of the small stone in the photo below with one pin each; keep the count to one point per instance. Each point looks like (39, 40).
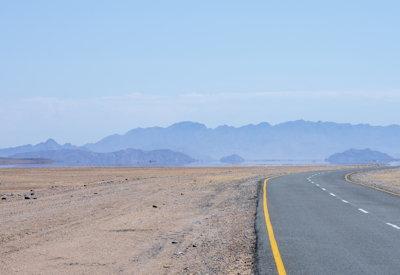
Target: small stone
(174, 242)
(155, 206)
(3, 198)
(27, 197)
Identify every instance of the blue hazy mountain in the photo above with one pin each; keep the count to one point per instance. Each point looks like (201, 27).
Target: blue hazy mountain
(50, 144)
(294, 140)
(290, 140)
(232, 159)
(365, 156)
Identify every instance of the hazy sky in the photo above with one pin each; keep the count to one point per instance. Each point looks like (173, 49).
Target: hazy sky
(79, 70)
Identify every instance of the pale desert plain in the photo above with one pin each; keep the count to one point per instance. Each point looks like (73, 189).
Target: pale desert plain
(130, 220)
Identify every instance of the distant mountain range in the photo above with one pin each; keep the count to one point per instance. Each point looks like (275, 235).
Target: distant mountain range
(295, 140)
(50, 152)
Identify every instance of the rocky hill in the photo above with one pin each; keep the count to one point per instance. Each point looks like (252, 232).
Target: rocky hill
(365, 156)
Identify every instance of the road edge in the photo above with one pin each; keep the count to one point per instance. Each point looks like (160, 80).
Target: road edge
(280, 266)
(263, 259)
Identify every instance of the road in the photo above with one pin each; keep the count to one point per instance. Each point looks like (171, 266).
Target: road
(323, 224)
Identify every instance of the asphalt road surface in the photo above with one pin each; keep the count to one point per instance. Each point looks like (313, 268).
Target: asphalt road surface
(325, 225)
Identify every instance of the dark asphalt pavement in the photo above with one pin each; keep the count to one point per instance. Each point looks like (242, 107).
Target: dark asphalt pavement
(326, 225)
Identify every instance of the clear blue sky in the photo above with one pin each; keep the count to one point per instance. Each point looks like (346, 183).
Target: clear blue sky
(78, 70)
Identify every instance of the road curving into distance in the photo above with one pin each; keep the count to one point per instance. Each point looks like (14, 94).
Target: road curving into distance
(319, 223)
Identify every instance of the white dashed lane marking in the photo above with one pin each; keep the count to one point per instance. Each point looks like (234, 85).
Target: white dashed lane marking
(347, 202)
(393, 225)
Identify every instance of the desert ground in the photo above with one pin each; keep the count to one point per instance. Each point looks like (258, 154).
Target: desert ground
(126, 220)
(386, 179)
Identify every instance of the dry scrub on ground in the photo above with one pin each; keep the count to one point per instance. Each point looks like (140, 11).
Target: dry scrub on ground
(387, 179)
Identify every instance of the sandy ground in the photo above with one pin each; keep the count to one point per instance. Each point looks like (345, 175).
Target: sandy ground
(134, 221)
(387, 179)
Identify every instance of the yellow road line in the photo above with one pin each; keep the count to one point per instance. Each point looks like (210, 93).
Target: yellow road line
(274, 246)
(348, 179)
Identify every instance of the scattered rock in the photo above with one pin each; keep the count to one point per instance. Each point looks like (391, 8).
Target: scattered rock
(3, 198)
(155, 206)
(194, 245)
(174, 242)
(27, 197)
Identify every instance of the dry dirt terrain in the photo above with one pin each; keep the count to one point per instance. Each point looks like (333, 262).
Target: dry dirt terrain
(386, 179)
(134, 221)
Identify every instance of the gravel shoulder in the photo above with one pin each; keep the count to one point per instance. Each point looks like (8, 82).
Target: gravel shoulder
(136, 221)
(385, 179)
